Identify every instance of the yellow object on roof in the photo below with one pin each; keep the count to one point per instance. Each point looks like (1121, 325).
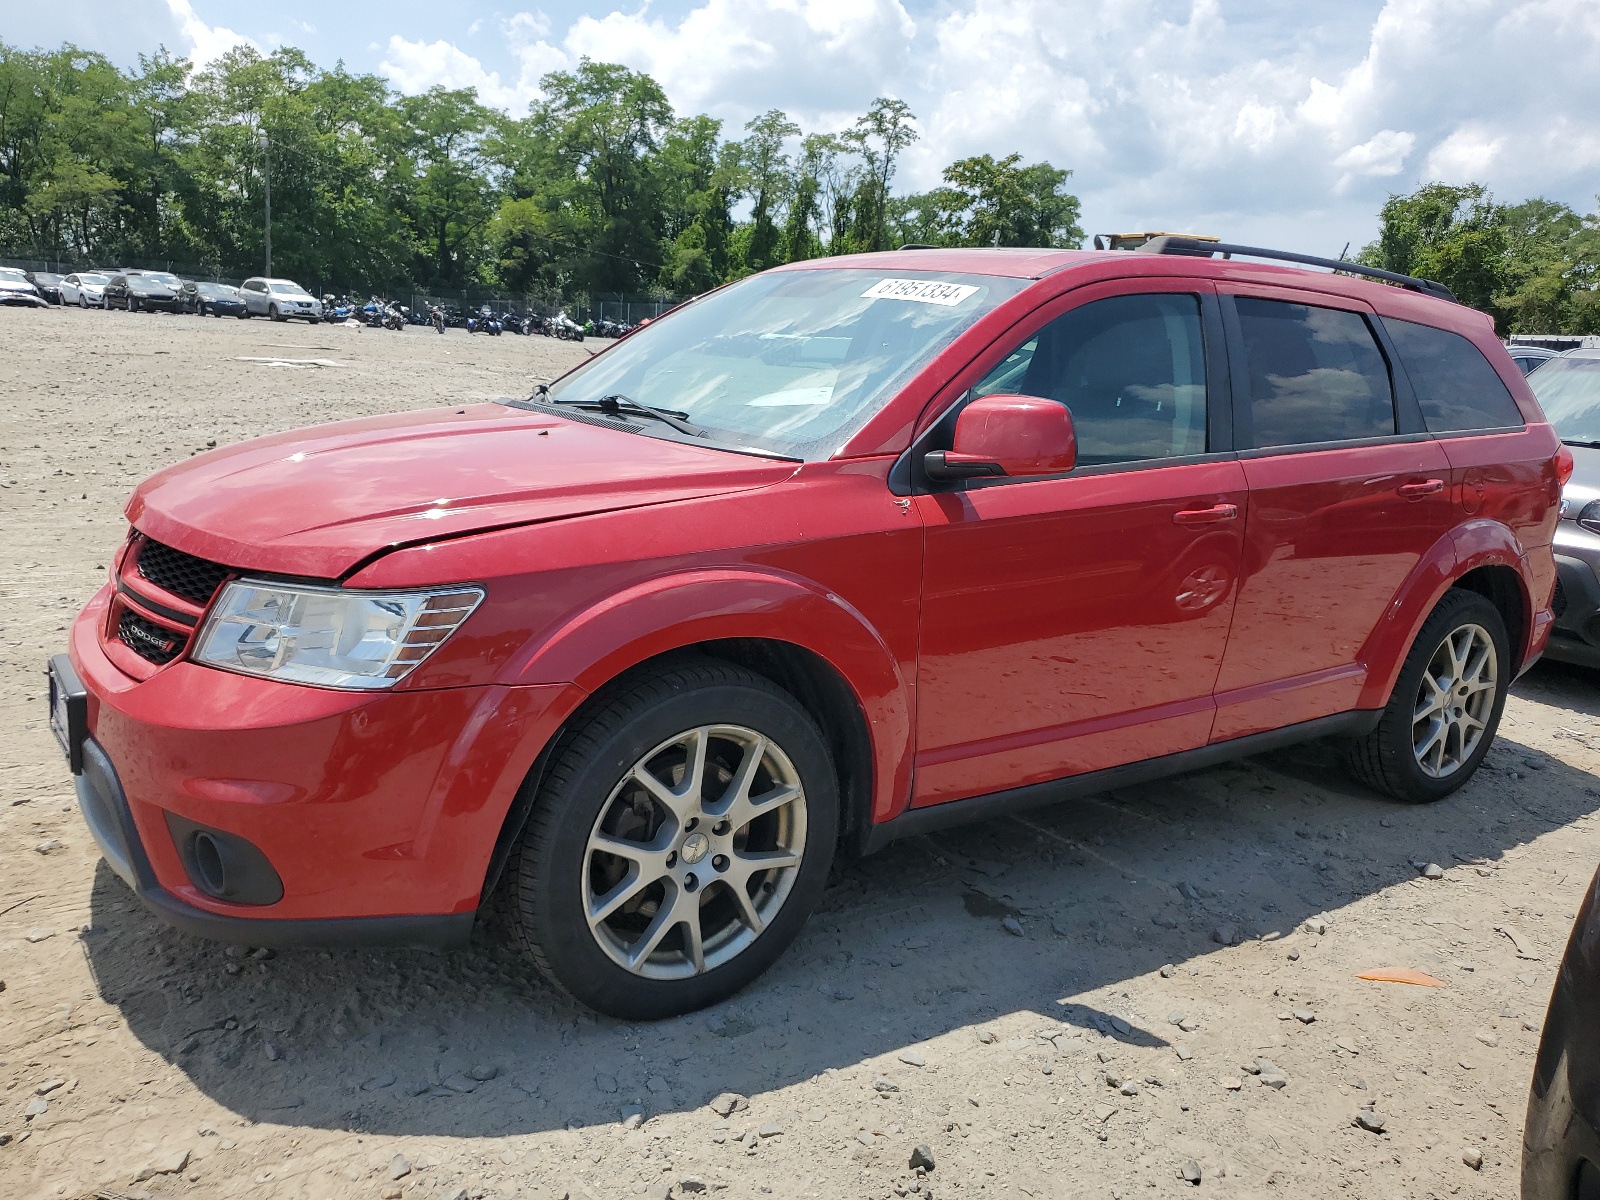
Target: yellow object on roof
(1132, 241)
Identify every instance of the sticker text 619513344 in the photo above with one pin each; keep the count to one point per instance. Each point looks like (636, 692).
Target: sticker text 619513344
(922, 291)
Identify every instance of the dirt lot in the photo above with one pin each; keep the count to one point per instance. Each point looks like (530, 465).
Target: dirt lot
(1094, 1055)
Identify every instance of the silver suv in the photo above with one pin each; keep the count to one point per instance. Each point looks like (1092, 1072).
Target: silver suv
(1568, 388)
(279, 299)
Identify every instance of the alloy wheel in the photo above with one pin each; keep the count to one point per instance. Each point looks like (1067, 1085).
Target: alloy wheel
(1455, 701)
(694, 852)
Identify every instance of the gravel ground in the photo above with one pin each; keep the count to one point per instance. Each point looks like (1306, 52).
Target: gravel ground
(1073, 1003)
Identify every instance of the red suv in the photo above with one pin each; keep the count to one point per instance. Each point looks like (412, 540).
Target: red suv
(850, 550)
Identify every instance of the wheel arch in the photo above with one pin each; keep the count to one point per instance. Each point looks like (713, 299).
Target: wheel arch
(808, 641)
(1480, 556)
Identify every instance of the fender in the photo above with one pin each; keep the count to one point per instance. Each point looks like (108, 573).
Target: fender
(675, 611)
(1464, 548)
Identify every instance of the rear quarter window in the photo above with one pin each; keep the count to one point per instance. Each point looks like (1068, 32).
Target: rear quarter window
(1455, 385)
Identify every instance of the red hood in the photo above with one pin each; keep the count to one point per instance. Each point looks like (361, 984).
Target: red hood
(317, 501)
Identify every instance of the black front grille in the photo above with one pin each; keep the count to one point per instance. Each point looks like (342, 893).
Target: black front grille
(1558, 602)
(151, 642)
(194, 579)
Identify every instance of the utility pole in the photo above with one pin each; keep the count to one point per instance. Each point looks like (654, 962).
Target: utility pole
(266, 173)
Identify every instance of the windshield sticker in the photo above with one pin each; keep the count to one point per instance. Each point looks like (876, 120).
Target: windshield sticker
(923, 291)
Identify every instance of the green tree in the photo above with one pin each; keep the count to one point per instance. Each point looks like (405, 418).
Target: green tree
(767, 172)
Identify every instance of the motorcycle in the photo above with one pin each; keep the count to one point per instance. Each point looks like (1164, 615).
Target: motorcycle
(436, 318)
(566, 329)
(335, 309)
(394, 317)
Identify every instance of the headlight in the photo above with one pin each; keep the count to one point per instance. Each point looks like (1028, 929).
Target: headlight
(329, 636)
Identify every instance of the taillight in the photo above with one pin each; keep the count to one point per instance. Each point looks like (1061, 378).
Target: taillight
(1564, 465)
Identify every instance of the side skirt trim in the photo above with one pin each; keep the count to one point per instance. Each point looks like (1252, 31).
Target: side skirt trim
(917, 821)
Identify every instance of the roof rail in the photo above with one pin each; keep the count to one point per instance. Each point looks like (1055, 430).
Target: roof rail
(917, 246)
(1193, 246)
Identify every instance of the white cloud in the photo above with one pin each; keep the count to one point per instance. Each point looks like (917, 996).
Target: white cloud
(1252, 121)
(1384, 153)
(417, 66)
(203, 43)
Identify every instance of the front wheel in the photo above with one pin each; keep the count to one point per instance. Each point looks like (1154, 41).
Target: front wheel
(681, 836)
(1446, 706)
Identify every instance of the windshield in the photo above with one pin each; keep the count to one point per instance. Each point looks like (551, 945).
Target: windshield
(792, 362)
(215, 289)
(1568, 389)
(289, 289)
(97, 280)
(159, 278)
(12, 275)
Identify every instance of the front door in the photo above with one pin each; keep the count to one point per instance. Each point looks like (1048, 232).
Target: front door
(1078, 622)
(1346, 496)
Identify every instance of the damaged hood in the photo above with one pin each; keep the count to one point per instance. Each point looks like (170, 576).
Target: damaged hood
(316, 502)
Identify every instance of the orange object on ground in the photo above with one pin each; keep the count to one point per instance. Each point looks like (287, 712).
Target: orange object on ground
(1401, 975)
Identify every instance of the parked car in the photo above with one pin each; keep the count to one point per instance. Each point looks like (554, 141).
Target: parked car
(851, 550)
(86, 289)
(48, 283)
(16, 290)
(1561, 1135)
(143, 291)
(1568, 388)
(212, 299)
(1529, 357)
(279, 299)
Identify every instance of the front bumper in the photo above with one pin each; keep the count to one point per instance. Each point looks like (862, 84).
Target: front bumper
(1561, 1133)
(377, 812)
(1575, 636)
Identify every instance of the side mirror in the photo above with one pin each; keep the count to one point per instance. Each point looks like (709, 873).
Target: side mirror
(1018, 436)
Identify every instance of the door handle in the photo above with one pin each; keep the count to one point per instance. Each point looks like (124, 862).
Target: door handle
(1415, 491)
(1206, 516)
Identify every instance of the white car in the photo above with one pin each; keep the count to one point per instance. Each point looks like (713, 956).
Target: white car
(15, 289)
(86, 289)
(279, 299)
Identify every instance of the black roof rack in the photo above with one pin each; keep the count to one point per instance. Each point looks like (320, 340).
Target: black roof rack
(1192, 246)
(917, 246)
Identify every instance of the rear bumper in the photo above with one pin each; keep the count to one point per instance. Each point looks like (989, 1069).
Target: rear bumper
(377, 812)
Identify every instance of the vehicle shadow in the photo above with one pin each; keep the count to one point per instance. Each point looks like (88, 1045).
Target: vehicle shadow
(909, 945)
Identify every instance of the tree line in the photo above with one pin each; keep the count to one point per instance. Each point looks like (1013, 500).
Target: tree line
(1533, 266)
(600, 188)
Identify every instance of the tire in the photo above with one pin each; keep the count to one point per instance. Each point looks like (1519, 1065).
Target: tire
(82, 303)
(272, 313)
(589, 794)
(1390, 759)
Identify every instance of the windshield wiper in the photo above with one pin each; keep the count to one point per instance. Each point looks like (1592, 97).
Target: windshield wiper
(1589, 445)
(618, 403)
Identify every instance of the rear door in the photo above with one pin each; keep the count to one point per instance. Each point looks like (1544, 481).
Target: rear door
(1347, 492)
(1077, 622)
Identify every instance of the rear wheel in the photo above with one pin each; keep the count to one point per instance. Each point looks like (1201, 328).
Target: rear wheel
(680, 838)
(1446, 706)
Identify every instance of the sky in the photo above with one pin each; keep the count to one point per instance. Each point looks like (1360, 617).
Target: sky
(1269, 122)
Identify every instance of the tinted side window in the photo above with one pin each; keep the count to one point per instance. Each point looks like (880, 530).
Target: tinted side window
(1455, 385)
(1130, 368)
(1315, 374)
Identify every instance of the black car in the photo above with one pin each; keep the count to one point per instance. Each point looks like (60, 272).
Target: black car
(211, 299)
(48, 283)
(1561, 1137)
(141, 291)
